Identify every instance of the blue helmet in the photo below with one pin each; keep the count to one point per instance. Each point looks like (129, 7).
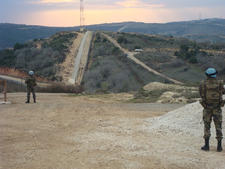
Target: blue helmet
(31, 73)
(211, 72)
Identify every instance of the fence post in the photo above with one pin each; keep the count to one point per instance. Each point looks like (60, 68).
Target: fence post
(5, 91)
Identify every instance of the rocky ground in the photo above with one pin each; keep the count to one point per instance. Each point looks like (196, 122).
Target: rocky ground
(167, 93)
(102, 132)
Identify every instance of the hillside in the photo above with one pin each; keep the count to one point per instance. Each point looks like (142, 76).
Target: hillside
(213, 30)
(43, 56)
(110, 68)
(179, 58)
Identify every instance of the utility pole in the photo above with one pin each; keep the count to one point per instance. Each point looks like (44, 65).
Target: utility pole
(82, 18)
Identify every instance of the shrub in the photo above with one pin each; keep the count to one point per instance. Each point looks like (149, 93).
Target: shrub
(115, 51)
(19, 46)
(122, 39)
(188, 53)
(7, 58)
(60, 88)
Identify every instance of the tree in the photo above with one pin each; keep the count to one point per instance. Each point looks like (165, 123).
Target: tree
(188, 52)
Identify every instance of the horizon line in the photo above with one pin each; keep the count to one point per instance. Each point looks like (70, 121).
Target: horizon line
(114, 22)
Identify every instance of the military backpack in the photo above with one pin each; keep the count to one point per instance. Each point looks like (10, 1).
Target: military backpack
(212, 92)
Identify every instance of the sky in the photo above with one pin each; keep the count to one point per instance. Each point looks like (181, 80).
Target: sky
(67, 12)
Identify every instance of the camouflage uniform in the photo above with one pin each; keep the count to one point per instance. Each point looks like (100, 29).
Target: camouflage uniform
(211, 91)
(31, 83)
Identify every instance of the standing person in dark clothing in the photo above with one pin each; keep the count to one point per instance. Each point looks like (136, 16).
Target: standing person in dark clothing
(31, 83)
(211, 92)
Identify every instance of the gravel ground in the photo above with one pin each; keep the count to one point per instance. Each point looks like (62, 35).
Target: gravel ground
(88, 132)
(180, 132)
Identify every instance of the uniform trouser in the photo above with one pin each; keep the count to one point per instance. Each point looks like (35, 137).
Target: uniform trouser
(216, 115)
(31, 90)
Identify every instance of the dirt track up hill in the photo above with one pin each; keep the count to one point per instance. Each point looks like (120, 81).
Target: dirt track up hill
(131, 56)
(81, 59)
(68, 65)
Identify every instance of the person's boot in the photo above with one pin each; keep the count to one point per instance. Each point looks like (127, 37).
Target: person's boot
(34, 100)
(206, 146)
(28, 100)
(219, 146)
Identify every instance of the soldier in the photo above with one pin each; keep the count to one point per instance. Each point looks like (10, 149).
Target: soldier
(31, 83)
(211, 92)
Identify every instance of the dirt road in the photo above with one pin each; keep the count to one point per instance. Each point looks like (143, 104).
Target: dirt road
(96, 132)
(81, 59)
(67, 67)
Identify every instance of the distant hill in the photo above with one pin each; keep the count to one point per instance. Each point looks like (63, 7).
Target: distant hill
(14, 33)
(212, 30)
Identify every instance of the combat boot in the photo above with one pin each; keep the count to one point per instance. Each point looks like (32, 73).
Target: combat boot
(28, 99)
(206, 146)
(219, 146)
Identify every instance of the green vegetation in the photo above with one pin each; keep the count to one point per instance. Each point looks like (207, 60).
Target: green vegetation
(60, 41)
(188, 53)
(109, 70)
(18, 46)
(213, 30)
(13, 33)
(7, 58)
(132, 41)
(42, 56)
(177, 58)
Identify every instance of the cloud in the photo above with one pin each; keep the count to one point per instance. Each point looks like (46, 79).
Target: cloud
(137, 4)
(188, 3)
(54, 1)
(66, 12)
(97, 4)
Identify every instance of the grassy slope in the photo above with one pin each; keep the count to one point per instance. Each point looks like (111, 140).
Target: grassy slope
(42, 56)
(159, 53)
(110, 70)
